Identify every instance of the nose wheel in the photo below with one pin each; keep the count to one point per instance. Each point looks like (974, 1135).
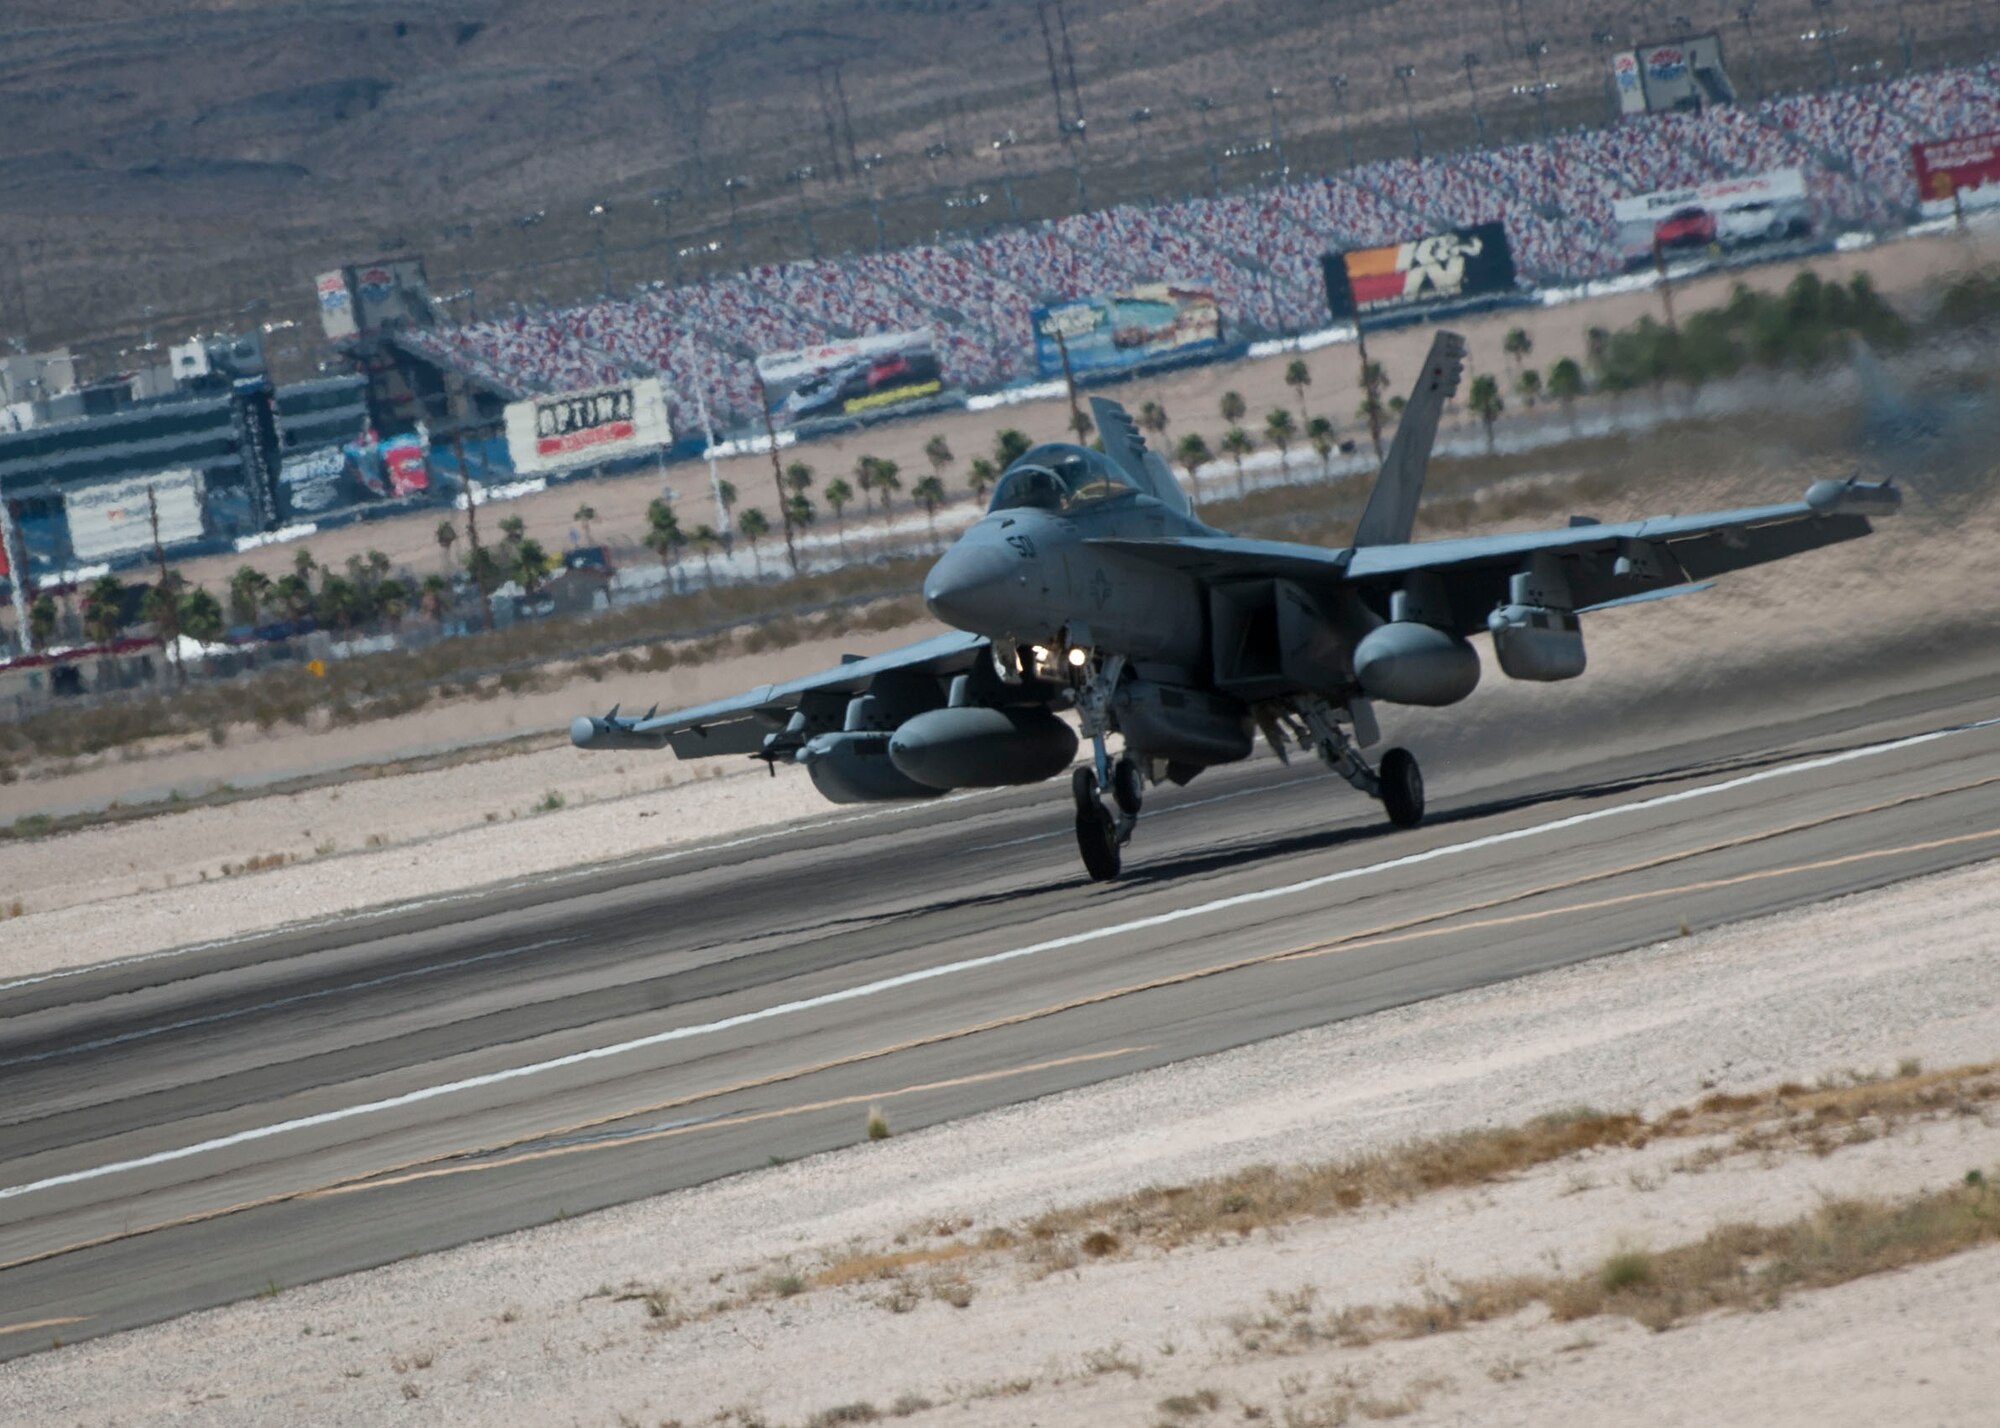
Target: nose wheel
(1096, 830)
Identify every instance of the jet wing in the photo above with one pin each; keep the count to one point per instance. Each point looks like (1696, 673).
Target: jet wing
(1603, 562)
(738, 725)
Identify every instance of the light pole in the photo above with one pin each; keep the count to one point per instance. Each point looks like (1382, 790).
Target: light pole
(1271, 96)
(664, 201)
(598, 213)
(1470, 59)
(1826, 32)
(1002, 143)
(1202, 104)
(1748, 15)
(868, 163)
(1338, 84)
(1140, 116)
(798, 177)
(521, 226)
(1403, 73)
(1903, 38)
(1074, 128)
(1535, 49)
(729, 187)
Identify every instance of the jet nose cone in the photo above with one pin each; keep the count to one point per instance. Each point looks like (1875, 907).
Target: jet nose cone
(969, 584)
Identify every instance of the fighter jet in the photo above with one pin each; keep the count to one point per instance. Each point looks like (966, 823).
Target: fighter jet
(1091, 587)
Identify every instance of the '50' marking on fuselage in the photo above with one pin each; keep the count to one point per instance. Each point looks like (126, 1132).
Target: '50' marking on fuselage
(1024, 545)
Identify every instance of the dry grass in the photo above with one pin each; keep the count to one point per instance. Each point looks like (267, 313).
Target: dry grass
(860, 1268)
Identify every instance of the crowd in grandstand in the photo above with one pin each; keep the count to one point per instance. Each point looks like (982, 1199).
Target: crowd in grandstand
(1258, 251)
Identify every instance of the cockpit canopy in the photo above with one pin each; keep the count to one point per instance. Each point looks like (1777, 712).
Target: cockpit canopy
(1058, 476)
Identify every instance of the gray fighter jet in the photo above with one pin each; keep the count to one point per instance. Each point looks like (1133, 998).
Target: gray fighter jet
(1091, 587)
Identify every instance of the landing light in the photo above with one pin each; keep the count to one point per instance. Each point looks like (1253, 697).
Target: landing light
(1040, 652)
(1079, 658)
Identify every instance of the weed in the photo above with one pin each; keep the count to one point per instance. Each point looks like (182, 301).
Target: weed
(878, 1124)
(1099, 1362)
(908, 1404)
(1627, 1269)
(1190, 1405)
(952, 1289)
(551, 802)
(16, 908)
(862, 1412)
(1099, 1243)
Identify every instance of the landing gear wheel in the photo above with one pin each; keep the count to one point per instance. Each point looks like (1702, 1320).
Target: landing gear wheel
(1083, 788)
(1097, 840)
(1402, 788)
(1127, 787)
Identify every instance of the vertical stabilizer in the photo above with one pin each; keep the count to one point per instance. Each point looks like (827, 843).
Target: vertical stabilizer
(1391, 512)
(1127, 448)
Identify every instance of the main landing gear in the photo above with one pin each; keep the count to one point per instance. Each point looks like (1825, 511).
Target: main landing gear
(1399, 783)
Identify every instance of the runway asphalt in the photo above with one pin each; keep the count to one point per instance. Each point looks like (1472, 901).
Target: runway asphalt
(187, 1129)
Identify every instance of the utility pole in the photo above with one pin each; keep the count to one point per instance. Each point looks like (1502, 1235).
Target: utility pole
(1368, 389)
(1202, 104)
(1470, 60)
(1069, 383)
(1403, 73)
(1338, 83)
(778, 474)
(708, 448)
(475, 561)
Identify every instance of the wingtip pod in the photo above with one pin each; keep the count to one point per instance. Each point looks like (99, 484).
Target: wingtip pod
(611, 732)
(1854, 497)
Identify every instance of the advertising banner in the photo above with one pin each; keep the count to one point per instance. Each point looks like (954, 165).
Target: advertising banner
(1684, 73)
(336, 304)
(1625, 81)
(581, 428)
(309, 484)
(1141, 324)
(1408, 278)
(112, 518)
(857, 377)
(1968, 167)
(1729, 214)
(403, 459)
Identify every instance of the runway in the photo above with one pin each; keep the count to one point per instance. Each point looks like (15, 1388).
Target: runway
(188, 1129)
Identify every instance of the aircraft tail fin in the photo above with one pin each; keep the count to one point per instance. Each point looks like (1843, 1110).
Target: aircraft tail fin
(1127, 450)
(1391, 513)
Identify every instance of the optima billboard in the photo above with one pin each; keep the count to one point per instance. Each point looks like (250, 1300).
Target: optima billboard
(1967, 167)
(1125, 329)
(1728, 214)
(581, 428)
(855, 378)
(1405, 279)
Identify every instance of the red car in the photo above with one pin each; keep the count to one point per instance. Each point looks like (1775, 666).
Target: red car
(1686, 228)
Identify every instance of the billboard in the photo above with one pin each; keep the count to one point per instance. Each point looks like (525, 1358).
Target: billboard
(857, 377)
(390, 290)
(336, 304)
(1684, 73)
(581, 428)
(113, 518)
(310, 483)
(1966, 167)
(1727, 214)
(1141, 324)
(1400, 279)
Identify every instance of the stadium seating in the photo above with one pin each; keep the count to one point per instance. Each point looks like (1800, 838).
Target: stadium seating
(1258, 251)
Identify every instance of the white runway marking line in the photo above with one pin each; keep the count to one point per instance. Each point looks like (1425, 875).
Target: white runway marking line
(386, 980)
(971, 964)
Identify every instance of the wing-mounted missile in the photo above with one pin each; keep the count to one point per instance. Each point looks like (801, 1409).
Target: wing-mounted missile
(612, 732)
(1854, 497)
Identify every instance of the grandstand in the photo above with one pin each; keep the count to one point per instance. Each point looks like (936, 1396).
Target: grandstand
(1257, 251)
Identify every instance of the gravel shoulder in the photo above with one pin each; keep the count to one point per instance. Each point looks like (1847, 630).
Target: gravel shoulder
(521, 1327)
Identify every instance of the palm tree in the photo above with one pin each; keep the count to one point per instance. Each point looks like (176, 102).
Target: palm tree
(293, 596)
(1192, 453)
(436, 590)
(1298, 377)
(864, 473)
(447, 534)
(887, 482)
(585, 514)
(1517, 344)
(303, 564)
(937, 451)
(1237, 444)
(1281, 431)
(705, 539)
(1320, 432)
(1153, 419)
(929, 493)
(799, 510)
(392, 599)
(513, 529)
(798, 478)
(725, 495)
(104, 609)
(531, 566)
(1232, 407)
(1529, 384)
(838, 493)
(1566, 385)
(980, 475)
(755, 527)
(200, 616)
(664, 536)
(1009, 446)
(1081, 424)
(378, 566)
(42, 620)
(1374, 378)
(1486, 403)
(249, 588)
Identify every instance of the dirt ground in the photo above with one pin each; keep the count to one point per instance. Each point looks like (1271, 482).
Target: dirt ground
(556, 1324)
(1189, 396)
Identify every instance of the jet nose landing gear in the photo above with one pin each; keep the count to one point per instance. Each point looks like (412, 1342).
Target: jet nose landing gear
(1100, 835)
